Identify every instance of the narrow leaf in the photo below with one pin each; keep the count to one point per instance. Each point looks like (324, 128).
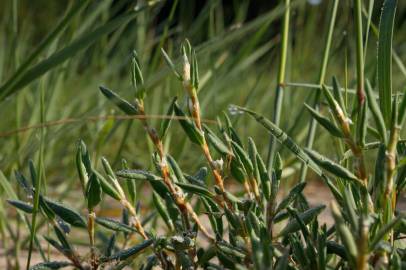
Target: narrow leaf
(331, 166)
(124, 105)
(306, 217)
(325, 122)
(376, 112)
(385, 58)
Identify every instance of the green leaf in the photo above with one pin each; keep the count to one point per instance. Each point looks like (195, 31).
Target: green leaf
(344, 233)
(67, 214)
(231, 250)
(331, 166)
(26, 207)
(338, 112)
(171, 64)
(110, 245)
(189, 127)
(137, 78)
(284, 139)
(54, 265)
(115, 225)
(361, 123)
(385, 230)
(128, 253)
(83, 164)
(165, 123)
(175, 169)
(131, 186)
(55, 244)
(216, 142)
(67, 247)
(24, 183)
(194, 70)
(338, 94)
(112, 177)
(306, 217)
(264, 177)
(93, 192)
(376, 112)
(350, 207)
(163, 212)
(121, 103)
(214, 214)
(199, 178)
(385, 58)
(325, 122)
(294, 192)
(243, 156)
(276, 176)
(108, 188)
(237, 170)
(138, 175)
(198, 190)
(335, 248)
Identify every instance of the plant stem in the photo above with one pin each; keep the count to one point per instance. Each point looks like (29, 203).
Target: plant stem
(281, 80)
(177, 194)
(360, 53)
(90, 228)
(360, 86)
(321, 78)
(135, 221)
(196, 116)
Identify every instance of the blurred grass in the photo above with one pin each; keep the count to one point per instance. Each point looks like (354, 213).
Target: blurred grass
(237, 48)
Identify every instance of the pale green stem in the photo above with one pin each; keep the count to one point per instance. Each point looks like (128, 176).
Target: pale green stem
(281, 79)
(321, 78)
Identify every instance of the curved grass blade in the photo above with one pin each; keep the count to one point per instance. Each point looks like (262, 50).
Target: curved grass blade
(67, 52)
(385, 58)
(281, 136)
(44, 44)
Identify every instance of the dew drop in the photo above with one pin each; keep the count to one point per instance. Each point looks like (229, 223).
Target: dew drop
(233, 110)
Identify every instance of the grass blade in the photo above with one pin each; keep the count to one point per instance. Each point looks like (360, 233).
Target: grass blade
(385, 58)
(43, 45)
(67, 52)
